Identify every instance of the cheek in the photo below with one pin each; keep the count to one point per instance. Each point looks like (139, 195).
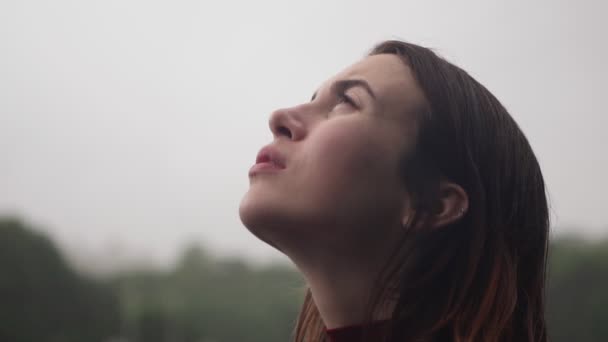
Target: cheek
(348, 150)
(348, 165)
(343, 158)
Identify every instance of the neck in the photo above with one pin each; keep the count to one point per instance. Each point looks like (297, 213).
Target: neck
(341, 281)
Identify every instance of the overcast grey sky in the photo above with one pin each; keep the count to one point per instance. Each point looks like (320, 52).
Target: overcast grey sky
(128, 127)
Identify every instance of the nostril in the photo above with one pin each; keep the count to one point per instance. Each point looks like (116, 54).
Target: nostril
(282, 130)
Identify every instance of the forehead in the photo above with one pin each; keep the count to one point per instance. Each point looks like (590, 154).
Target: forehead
(391, 80)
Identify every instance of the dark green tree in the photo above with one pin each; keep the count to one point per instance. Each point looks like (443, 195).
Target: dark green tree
(205, 299)
(42, 299)
(578, 291)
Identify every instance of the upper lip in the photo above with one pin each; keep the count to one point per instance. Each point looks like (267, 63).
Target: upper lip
(269, 154)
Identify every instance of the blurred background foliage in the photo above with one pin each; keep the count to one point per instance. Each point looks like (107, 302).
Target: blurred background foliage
(206, 299)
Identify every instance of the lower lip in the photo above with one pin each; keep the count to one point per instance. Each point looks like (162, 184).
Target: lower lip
(264, 168)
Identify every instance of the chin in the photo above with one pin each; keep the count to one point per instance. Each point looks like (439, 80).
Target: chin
(259, 216)
(272, 220)
(248, 211)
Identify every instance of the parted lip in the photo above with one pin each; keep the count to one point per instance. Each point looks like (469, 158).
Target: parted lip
(270, 154)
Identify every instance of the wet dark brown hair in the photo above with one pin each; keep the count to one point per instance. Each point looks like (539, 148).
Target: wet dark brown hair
(481, 278)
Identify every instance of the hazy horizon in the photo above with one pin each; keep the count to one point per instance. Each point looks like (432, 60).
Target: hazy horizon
(127, 127)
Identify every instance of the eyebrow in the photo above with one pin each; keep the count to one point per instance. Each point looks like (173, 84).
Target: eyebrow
(344, 85)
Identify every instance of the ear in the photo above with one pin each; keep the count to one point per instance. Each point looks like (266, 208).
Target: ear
(452, 206)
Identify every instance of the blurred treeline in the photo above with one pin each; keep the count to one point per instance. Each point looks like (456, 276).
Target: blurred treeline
(204, 299)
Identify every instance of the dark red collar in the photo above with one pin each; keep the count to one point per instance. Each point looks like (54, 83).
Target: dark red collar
(355, 333)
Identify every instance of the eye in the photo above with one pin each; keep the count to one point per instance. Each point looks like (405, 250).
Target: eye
(345, 99)
(343, 104)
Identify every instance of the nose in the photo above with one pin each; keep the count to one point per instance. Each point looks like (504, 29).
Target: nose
(284, 123)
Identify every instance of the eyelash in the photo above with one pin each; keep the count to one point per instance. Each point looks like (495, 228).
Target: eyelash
(343, 98)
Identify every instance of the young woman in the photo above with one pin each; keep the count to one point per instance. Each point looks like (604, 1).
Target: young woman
(410, 201)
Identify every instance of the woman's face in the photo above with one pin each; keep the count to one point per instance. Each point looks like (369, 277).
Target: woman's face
(331, 175)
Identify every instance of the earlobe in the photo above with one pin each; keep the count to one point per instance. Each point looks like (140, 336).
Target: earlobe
(405, 220)
(452, 206)
(407, 213)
